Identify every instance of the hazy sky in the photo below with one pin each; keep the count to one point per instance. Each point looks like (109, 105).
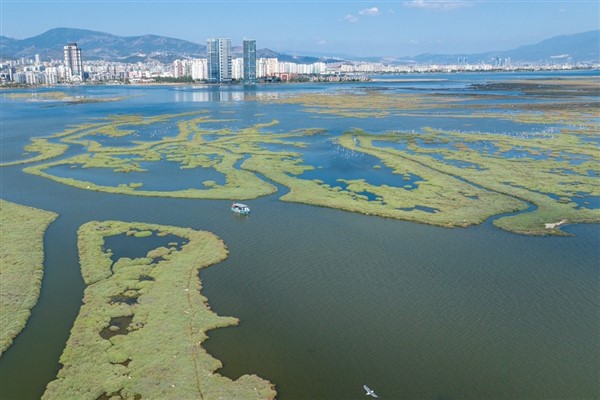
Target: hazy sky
(383, 28)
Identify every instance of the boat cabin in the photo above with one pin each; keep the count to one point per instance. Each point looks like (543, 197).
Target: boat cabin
(240, 208)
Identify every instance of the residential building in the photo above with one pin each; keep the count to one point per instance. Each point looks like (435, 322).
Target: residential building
(73, 62)
(219, 59)
(199, 69)
(237, 68)
(249, 60)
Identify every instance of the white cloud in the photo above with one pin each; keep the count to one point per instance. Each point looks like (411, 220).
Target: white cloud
(369, 12)
(437, 4)
(321, 42)
(350, 18)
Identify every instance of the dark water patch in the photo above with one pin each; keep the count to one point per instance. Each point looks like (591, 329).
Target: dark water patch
(401, 146)
(334, 162)
(563, 171)
(342, 186)
(369, 195)
(117, 326)
(456, 163)
(121, 298)
(125, 363)
(111, 141)
(590, 139)
(210, 137)
(518, 153)
(574, 159)
(280, 147)
(586, 201)
(152, 132)
(238, 163)
(143, 278)
(582, 199)
(434, 144)
(138, 247)
(566, 171)
(118, 396)
(426, 209)
(482, 146)
(161, 176)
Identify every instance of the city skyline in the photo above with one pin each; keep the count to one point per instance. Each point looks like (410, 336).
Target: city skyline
(358, 28)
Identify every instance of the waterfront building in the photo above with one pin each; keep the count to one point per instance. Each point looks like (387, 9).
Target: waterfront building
(249, 60)
(73, 64)
(219, 59)
(237, 68)
(224, 60)
(200, 69)
(212, 52)
(178, 69)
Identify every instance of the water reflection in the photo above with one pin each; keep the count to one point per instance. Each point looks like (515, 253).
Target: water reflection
(208, 94)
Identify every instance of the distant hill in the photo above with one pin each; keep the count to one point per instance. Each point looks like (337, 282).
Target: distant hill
(581, 47)
(105, 46)
(100, 46)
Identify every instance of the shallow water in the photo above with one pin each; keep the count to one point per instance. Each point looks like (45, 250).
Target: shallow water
(162, 176)
(328, 300)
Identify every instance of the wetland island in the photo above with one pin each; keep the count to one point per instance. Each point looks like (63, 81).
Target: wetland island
(138, 180)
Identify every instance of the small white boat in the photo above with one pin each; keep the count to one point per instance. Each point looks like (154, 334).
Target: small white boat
(240, 208)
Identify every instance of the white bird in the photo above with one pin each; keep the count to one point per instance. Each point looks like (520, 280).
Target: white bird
(369, 391)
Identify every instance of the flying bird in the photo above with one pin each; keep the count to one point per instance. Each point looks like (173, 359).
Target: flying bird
(369, 391)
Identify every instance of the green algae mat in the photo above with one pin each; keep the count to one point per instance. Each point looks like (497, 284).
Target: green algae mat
(530, 183)
(21, 268)
(140, 329)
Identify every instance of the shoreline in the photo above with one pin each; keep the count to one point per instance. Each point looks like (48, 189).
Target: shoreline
(372, 78)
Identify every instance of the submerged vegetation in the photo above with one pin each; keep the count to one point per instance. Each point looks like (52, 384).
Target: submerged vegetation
(441, 177)
(140, 331)
(22, 265)
(57, 96)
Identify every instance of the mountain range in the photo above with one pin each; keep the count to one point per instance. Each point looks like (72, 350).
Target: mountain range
(580, 47)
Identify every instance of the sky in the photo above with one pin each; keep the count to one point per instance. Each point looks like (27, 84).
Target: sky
(317, 27)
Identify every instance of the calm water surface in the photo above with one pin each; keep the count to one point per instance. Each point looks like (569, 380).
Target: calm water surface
(328, 300)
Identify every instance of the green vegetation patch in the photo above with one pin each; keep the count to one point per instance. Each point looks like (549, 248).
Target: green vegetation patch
(188, 148)
(466, 177)
(140, 329)
(58, 96)
(550, 171)
(45, 150)
(457, 203)
(21, 268)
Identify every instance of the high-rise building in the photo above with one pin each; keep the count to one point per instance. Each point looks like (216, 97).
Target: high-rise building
(249, 60)
(219, 59)
(73, 62)
(224, 60)
(212, 60)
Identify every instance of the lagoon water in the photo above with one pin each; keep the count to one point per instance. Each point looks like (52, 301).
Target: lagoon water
(328, 300)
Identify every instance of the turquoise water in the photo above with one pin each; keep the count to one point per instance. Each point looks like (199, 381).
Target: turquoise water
(328, 300)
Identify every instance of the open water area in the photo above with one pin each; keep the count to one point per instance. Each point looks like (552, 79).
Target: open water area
(328, 300)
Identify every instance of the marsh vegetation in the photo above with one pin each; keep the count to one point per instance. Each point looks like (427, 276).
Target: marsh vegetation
(140, 331)
(465, 176)
(22, 267)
